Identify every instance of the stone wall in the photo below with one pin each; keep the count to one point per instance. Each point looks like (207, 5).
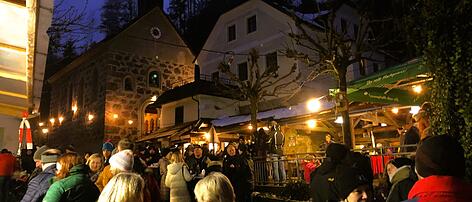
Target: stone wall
(84, 87)
(128, 105)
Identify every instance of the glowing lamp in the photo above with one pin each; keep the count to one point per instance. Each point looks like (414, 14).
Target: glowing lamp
(311, 123)
(52, 120)
(250, 127)
(41, 124)
(115, 116)
(60, 119)
(130, 122)
(313, 105)
(395, 110)
(90, 117)
(417, 88)
(45, 130)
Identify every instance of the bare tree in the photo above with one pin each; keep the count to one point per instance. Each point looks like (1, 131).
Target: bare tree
(261, 83)
(68, 25)
(329, 46)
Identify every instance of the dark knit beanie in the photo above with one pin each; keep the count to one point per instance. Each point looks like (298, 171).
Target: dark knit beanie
(399, 162)
(38, 152)
(440, 155)
(347, 179)
(107, 146)
(336, 152)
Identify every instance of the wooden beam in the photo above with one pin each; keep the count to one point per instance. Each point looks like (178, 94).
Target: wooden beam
(17, 2)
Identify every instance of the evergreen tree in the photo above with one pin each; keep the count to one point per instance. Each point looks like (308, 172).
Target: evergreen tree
(116, 14)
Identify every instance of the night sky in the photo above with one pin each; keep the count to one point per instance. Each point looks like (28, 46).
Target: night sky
(93, 11)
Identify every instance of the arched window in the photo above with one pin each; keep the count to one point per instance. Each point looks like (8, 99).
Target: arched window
(154, 79)
(128, 84)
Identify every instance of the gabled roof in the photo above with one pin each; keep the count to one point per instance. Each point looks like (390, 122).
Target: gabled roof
(198, 87)
(101, 46)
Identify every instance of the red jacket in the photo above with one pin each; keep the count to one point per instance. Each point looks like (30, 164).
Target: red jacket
(7, 164)
(441, 189)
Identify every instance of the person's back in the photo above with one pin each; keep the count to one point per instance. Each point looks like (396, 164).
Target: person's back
(440, 165)
(76, 187)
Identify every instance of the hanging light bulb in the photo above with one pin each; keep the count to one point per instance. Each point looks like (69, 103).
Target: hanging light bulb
(313, 105)
(395, 110)
(90, 117)
(311, 123)
(417, 89)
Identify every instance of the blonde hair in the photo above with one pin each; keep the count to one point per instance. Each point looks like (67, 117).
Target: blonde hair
(176, 157)
(215, 187)
(123, 187)
(94, 156)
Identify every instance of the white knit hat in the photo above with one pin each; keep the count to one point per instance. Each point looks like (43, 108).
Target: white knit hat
(122, 160)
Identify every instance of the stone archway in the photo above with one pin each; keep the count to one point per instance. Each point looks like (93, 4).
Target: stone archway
(144, 111)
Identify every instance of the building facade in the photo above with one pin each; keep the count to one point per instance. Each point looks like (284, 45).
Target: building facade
(104, 93)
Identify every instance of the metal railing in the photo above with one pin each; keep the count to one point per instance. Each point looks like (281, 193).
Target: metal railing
(276, 170)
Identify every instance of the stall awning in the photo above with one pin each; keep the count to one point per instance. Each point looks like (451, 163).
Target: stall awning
(392, 75)
(388, 86)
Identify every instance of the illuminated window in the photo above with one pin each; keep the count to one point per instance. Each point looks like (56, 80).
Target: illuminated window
(154, 79)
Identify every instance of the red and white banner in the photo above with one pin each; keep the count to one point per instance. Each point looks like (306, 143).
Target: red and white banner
(29, 138)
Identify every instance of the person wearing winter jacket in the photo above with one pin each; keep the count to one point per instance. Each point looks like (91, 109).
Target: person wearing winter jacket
(398, 171)
(122, 161)
(163, 163)
(239, 173)
(7, 167)
(440, 165)
(39, 185)
(71, 182)
(177, 178)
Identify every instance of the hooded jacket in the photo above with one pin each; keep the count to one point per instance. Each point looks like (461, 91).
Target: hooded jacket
(76, 187)
(176, 179)
(39, 185)
(401, 185)
(437, 188)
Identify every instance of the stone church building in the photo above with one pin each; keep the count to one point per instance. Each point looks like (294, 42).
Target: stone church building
(104, 93)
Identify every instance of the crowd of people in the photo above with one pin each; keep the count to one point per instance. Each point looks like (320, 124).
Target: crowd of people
(142, 173)
(128, 172)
